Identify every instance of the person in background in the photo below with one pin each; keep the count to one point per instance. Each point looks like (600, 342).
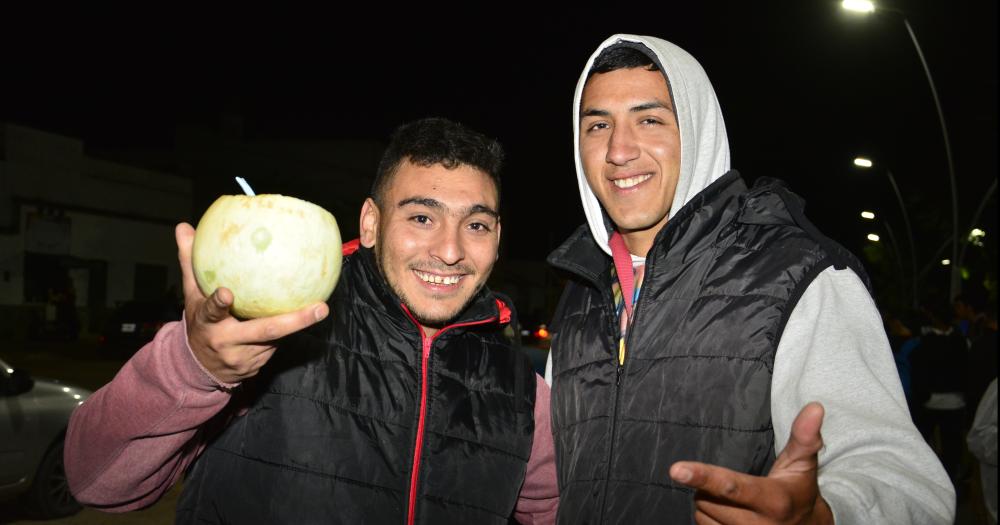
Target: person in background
(939, 371)
(982, 440)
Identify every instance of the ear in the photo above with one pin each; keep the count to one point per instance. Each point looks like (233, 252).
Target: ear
(498, 239)
(369, 223)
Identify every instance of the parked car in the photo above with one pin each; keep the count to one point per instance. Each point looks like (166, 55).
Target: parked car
(34, 413)
(135, 323)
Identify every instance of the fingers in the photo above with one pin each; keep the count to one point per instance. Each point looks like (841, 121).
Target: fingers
(216, 308)
(806, 428)
(717, 482)
(703, 518)
(805, 441)
(278, 326)
(184, 234)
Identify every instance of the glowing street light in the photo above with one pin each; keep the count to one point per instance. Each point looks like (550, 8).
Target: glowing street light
(868, 215)
(976, 232)
(945, 262)
(866, 6)
(867, 163)
(873, 237)
(860, 6)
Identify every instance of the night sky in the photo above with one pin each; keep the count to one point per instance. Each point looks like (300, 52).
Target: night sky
(803, 85)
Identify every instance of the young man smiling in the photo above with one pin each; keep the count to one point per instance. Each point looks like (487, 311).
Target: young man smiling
(701, 321)
(405, 404)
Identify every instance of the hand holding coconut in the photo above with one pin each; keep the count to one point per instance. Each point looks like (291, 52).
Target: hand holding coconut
(230, 349)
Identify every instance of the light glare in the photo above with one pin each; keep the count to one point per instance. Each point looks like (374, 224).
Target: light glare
(976, 232)
(862, 162)
(874, 237)
(860, 6)
(945, 262)
(867, 215)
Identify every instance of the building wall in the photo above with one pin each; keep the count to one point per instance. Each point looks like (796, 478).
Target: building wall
(93, 218)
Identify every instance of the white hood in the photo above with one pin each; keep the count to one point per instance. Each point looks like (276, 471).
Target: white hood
(704, 144)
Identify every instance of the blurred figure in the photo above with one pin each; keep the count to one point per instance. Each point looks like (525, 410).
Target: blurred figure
(939, 369)
(970, 312)
(982, 442)
(903, 340)
(976, 319)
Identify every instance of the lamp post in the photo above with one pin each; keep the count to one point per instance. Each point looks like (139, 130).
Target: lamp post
(865, 6)
(870, 216)
(862, 162)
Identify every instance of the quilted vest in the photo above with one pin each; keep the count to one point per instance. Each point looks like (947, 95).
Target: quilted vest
(720, 282)
(331, 433)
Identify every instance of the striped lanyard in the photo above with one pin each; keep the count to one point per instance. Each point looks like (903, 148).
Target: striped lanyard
(625, 288)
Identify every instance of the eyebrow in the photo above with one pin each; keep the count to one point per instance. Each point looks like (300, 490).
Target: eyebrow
(438, 205)
(645, 106)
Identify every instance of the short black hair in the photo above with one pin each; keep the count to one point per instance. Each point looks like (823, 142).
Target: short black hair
(435, 140)
(621, 56)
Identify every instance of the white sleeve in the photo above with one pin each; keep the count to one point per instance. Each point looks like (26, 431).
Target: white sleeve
(874, 467)
(548, 369)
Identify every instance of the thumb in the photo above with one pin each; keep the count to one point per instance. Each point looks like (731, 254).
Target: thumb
(805, 441)
(216, 307)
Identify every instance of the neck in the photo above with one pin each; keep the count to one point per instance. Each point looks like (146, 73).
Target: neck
(639, 242)
(429, 331)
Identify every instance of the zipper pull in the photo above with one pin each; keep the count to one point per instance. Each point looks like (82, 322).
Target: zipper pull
(618, 381)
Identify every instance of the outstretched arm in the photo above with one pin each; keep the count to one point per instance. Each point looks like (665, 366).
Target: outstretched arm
(789, 494)
(871, 465)
(131, 440)
(875, 467)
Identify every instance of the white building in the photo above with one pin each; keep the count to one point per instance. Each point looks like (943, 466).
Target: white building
(67, 219)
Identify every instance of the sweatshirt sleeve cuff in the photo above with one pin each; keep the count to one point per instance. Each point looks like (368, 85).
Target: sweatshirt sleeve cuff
(194, 372)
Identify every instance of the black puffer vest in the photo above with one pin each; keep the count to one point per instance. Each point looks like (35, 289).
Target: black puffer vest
(334, 421)
(720, 282)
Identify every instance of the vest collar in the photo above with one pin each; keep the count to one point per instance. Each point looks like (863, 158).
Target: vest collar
(691, 225)
(374, 289)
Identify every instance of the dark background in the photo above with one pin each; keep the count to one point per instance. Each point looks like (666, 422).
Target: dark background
(804, 87)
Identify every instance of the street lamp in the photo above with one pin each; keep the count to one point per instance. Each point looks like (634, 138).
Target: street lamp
(868, 215)
(865, 6)
(867, 163)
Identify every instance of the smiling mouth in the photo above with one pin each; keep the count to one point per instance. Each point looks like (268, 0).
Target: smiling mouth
(631, 182)
(440, 280)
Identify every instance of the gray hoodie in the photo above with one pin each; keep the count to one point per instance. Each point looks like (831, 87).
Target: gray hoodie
(874, 467)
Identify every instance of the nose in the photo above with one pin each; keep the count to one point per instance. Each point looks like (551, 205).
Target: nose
(448, 247)
(622, 146)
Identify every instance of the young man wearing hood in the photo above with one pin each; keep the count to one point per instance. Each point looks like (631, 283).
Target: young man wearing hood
(706, 327)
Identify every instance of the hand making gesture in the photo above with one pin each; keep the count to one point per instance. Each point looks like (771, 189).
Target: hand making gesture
(789, 494)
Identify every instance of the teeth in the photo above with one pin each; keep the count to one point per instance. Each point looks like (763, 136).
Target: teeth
(437, 279)
(631, 181)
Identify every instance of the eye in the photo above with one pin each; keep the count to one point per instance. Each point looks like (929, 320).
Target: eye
(480, 227)
(651, 121)
(597, 126)
(421, 219)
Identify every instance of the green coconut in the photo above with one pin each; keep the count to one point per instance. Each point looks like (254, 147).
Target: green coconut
(277, 254)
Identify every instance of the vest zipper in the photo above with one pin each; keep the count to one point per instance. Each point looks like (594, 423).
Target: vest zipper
(618, 390)
(425, 355)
